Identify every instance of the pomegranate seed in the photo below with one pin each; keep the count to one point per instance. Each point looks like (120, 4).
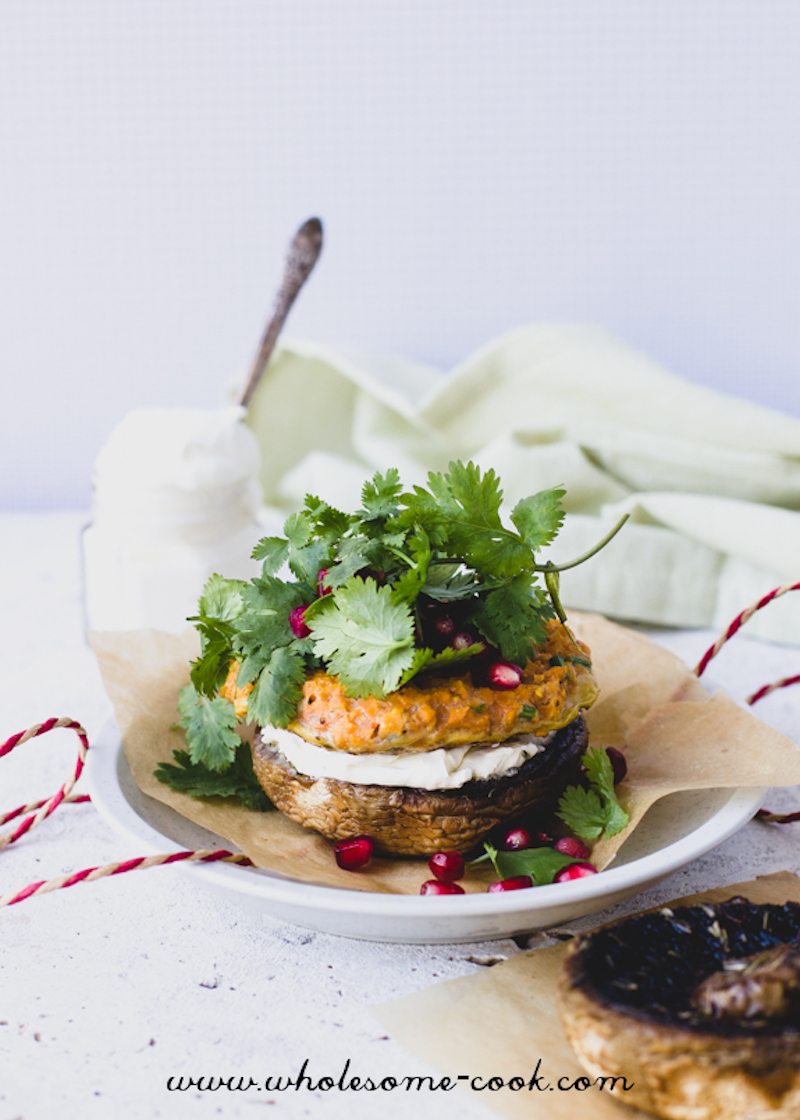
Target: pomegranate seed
(297, 622)
(618, 764)
(462, 639)
(575, 871)
(353, 853)
(504, 674)
(322, 587)
(544, 837)
(571, 846)
(444, 625)
(515, 883)
(447, 866)
(516, 839)
(435, 886)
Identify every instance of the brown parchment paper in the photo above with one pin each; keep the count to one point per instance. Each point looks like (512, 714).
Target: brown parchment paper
(499, 1022)
(675, 737)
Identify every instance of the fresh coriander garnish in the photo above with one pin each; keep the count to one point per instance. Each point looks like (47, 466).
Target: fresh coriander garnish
(210, 728)
(237, 782)
(527, 711)
(440, 547)
(542, 864)
(594, 812)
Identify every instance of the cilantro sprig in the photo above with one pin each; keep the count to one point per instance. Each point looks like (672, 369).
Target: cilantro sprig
(541, 864)
(596, 811)
(236, 783)
(367, 586)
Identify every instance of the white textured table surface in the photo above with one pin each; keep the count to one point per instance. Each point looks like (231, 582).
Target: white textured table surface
(109, 989)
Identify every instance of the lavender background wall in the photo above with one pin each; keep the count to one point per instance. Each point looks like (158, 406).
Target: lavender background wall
(478, 165)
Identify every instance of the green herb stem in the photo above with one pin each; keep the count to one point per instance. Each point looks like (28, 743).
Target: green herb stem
(586, 555)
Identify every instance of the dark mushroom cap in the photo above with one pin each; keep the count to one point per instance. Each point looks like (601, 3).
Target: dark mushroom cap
(408, 821)
(649, 966)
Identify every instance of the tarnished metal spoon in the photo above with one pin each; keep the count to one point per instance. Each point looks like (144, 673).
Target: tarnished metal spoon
(303, 252)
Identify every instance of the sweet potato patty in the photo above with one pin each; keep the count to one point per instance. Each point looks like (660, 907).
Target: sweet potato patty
(443, 711)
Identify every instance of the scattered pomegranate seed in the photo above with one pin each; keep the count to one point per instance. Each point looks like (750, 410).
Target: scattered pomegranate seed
(515, 883)
(297, 622)
(571, 846)
(618, 762)
(516, 839)
(444, 625)
(504, 674)
(575, 871)
(447, 866)
(544, 837)
(435, 886)
(353, 853)
(462, 639)
(322, 587)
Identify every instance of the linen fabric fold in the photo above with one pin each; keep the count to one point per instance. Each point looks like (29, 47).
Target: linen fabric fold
(712, 482)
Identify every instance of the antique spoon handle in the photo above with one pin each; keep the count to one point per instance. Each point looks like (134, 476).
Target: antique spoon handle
(302, 256)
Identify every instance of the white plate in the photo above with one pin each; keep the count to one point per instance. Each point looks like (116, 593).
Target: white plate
(708, 817)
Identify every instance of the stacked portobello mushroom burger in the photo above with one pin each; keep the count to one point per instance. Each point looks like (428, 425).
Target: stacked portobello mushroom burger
(406, 671)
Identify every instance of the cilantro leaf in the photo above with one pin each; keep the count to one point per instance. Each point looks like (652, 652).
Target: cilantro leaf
(353, 554)
(274, 551)
(462, 511)
(306, 562)
(539, 517)
(541, 864)
(379, 495)
(220, 604)
(426, 658)
(446, 582)
(513, 618)
(209, 670)
(221, 598)
(210, 728)
(582, 812)
(365, 636)
(278, 689)
(592, 813)
(308, 551)
(327, 521)
(600, 773)
(312, 535)
(478, 495)
(237, 782)
(264, 621)
(411, 582)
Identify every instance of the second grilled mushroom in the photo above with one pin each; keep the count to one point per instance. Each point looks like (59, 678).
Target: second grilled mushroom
(696, 1006)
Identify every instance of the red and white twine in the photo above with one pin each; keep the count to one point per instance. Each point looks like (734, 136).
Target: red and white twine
(39, 810)
(735, 626)
(785, 682)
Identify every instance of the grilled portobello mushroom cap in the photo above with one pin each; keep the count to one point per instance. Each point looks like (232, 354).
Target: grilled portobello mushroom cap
(698, 1007)
(416, 822)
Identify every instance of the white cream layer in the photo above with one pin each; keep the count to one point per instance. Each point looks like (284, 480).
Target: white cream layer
(444, 768)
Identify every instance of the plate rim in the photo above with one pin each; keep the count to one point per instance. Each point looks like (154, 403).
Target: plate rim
(110, 801)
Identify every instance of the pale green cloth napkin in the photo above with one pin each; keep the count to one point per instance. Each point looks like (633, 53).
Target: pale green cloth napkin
(712, 482)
